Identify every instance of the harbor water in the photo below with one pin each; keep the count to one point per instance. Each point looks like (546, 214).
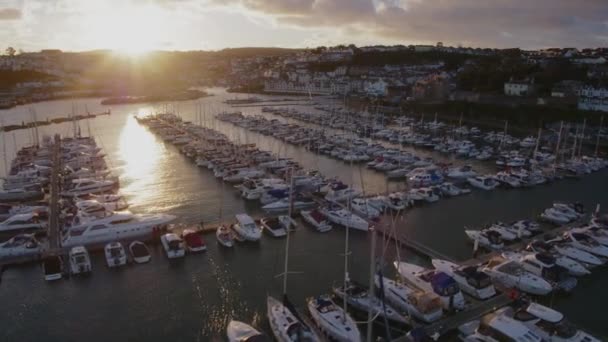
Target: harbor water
(193, 299)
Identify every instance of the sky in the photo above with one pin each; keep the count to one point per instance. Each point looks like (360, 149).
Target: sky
(140, 25)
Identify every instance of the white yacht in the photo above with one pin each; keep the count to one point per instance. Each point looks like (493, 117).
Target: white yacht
(363, 208)
(316, 219)
(238, 175)
(345, 218)
(22, 223)
(425, 306)
(273, 226)
(115, 254)
(332, 320)
(461, 172)
(287, 327)
(598, 234)
(547, 323)
(586, 243)
(543, 265)
(469, 278)
(496, 327)
(483, 182)
(567, 248)
(139, 252)
(241, 332)
(423, 194)
(122, 226)
(224, 236)
(173, 245)
(298, 202)
(341, 193)
(253, 189)
(85, 186)
(574, 267)
(554, 216)
(80, 262)
(487, 239)
(449, 189)
(19, 246)
(505, 233)
(358, 297)
(432, 280)
(510, 273)
(247, 228)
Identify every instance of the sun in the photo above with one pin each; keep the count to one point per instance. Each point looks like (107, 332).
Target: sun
(132, 30)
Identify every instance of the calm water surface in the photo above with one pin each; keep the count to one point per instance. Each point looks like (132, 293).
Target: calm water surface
(193, 299)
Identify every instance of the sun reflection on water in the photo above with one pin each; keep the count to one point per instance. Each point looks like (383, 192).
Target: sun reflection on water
(141, 154)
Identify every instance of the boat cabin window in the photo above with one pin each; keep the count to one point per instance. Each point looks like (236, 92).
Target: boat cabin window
(524, 316)
(489, 331)
(98, 227)
(122, 221)
(115, 252)
(80, 259)
(562, 328)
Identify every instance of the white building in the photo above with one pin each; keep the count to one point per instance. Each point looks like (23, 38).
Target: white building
(514, 88)
(593, 99)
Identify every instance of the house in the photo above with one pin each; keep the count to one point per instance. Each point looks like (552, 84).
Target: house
(567, 88)
(519, 88)
(591, 98)
(424, 48)
(433, 87)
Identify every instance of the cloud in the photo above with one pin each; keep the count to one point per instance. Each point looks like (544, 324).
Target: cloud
(10, 14)
(537, 23)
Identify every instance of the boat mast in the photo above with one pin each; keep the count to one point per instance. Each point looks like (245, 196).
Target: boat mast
(537, 142)
(372, 284)
(574, 146)
(4, 147)
(289, 213)
(599, 131)
(582, 137)
(559, 138)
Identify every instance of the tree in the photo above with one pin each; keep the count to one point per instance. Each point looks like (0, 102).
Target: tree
(10, 51)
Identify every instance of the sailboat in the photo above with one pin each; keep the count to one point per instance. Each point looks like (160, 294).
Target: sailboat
(224, 234)
(285, 323)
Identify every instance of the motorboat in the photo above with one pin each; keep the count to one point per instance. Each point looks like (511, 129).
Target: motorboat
(505, 232)
(316, 219)
(340, 192)
(544, 265)
(586, 243)
(424, 306)
(547, 323)
(507, 179)
(528, 225)
(596, 233)
(224, 236)
(432, 280)
(511, 274)
(461, 172)
(554, 216)
(449, 189)
(242, 332)
(80, 262)
(487, 239)
(423, 194)
(238, 175)
(20, 246)
(139, 252)
(21, 195)
(424, 178)
(22, 223)
(247, 228)
(273, 226)
(363, 208)
(483, 182)
(299, 201)
(93, 205)
(85, 186)
(359, 298)
(345, 218)
(286, 325)
(469, 278)
(567, 248)
(123, 226)
(115, 254)
(53, 268)
(193, 240)
(496, 327)
(574, 267)
(253, 189)
(173, 246)
(332, 320)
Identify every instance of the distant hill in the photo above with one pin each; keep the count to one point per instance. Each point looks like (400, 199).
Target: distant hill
(256, 52)
(10, 78)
